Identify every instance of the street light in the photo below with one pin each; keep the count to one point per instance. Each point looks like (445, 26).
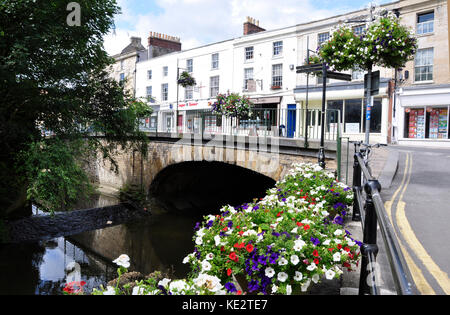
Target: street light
(176, 112)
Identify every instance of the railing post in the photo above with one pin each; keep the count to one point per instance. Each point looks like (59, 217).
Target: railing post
(356, 187)
(369, 249)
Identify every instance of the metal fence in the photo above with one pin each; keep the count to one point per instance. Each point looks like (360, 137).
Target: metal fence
(369, 208)
(266, 122)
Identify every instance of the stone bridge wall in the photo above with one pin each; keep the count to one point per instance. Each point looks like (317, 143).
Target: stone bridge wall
(134, 169)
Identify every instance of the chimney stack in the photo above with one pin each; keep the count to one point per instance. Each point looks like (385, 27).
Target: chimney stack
(252, 26)
(161, 44)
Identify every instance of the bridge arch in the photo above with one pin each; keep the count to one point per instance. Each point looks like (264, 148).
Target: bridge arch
(201, 187)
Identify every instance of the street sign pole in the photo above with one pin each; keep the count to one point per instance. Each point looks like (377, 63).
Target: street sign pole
(368, 105)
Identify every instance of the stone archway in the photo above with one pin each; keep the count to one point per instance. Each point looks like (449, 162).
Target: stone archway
(201, 188)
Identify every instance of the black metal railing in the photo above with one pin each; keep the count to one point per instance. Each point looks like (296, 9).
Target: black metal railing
(369, 208)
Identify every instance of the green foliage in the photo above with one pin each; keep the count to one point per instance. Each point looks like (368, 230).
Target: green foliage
(57, 180)
(385, 43)
(53, 79)
(134, 194)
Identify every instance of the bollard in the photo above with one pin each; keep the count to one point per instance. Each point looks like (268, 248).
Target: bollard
(356, 187)
(369, 249)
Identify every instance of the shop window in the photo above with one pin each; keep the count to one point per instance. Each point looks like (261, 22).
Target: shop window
(437, 119)
(352, 118)
(375, 117)
(334, 114)
(415, 123)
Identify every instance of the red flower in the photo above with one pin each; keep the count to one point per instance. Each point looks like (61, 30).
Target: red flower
(306, 227)
(234, 257)
(229, 272)
(74, 287)
(315, 253)
(339, 246)
(239, 246)
(222, 249)
(249, 248)
(241, 232)
(347, 249)
(316, 261)
(331, 249)
(225, 229)
(239, 292)
(299, 224)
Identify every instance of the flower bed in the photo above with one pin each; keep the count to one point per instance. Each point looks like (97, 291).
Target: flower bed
(281, 244)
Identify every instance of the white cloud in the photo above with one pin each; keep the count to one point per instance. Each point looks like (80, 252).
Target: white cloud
(199, 22)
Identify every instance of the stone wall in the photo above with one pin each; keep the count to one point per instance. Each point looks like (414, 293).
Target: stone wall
(134, 169)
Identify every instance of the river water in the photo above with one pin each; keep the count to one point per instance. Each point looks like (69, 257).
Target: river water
(158, 242)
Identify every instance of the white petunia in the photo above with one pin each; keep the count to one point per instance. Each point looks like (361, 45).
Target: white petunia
(295, 260)
(206, 266)
(298, 276)
(217, 240)
(178, 286)
(288, 289)
(282, 276)
(210, 256)
(164, 282)
(337, 257)
(298, 245)
(270, 272)
(123, 260)
(338, 232)
(305, 286)
(330, 274)
(138, 291)
(274, 289)
(312, 267)
(109, 291)
(315, 278)
(282, 262)
(199, 240)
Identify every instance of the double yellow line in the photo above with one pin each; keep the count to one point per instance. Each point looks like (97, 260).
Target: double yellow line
(414, 244)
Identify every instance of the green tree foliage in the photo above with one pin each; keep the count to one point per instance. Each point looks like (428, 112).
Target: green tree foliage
(53, 79)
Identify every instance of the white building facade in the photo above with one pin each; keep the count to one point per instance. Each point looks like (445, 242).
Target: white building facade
(262, 66)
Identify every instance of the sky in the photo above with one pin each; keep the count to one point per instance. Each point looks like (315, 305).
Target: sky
(202, 22)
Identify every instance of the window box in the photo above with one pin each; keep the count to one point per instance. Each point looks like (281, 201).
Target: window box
(275, 87)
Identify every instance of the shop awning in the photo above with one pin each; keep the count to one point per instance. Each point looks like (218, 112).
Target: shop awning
(266, 100)
(425, 99)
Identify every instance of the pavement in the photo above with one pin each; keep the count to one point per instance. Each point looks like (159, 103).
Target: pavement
(384, 164)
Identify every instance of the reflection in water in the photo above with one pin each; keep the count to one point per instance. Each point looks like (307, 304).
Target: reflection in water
(158, 242)
(40, 268)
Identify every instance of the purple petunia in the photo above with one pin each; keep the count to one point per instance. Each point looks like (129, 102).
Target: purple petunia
(231, 288)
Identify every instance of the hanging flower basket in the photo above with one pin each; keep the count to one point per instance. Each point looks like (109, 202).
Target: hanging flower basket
(186, 80)
(232, 105)
(385, 43)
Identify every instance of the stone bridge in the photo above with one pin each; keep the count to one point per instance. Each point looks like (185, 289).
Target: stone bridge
(192, 173)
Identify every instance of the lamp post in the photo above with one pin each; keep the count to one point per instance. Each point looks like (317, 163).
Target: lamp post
(178, 87)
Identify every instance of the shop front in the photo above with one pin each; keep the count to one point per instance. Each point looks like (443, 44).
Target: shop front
(424, 116)
(346, 105)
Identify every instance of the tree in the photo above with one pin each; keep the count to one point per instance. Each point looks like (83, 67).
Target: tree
(55, 96)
